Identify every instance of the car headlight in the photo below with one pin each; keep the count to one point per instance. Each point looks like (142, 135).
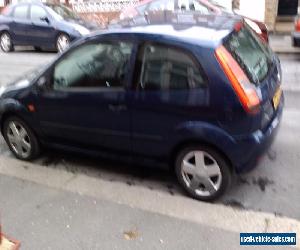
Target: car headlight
(82, 30)
(2, 90)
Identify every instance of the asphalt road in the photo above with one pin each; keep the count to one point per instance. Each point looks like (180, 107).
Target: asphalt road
(272, 187)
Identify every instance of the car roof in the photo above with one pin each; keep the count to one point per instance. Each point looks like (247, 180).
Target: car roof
(204, 30)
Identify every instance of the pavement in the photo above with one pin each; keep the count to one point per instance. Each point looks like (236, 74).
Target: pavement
(86, 203)
(75, 211)
(282, 44)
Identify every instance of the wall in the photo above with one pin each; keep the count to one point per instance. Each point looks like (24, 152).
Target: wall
(271, 13)
(253, 8)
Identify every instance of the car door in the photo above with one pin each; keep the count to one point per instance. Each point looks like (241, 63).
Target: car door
(21, 24)
(41, 30)
(86, 102)
(171, 90)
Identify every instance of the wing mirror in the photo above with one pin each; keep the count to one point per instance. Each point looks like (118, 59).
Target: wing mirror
(41, 84)
(45, 19)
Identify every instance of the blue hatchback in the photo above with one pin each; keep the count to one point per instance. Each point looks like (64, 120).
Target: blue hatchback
(51, 26)
(200, 94)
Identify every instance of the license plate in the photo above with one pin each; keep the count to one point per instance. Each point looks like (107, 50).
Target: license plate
(276, 98)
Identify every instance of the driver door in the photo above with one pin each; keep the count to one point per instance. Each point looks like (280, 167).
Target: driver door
(41, 31)
(86, 104)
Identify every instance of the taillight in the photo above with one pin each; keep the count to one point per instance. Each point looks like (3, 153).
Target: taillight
(297, 24)
(245, 91)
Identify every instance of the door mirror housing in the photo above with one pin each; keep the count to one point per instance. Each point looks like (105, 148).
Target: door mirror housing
(45, 19)
(42, 84)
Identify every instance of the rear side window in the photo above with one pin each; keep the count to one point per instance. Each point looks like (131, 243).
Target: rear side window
(193, 5)
(161, 5)
(254, 57)
(21, 12)
(168, 68)
(141, 9)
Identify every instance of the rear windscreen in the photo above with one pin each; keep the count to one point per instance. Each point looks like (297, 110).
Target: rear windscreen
(254, 57)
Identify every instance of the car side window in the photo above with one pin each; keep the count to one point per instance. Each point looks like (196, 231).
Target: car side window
(21, 12)
(161, 5)
(96, 65)
(167, 68)
(141, 9)
(193, 5)
(37, 12)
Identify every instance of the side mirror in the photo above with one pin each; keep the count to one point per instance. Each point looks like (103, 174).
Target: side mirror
(45, 19)
(41, 84)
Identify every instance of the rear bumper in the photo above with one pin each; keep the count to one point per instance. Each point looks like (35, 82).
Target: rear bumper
(296, 39)
(252, 147)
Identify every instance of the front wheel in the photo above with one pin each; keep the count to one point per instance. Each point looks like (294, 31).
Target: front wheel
(62, 42)
(6, 42)
(20, 138)
(202, 172)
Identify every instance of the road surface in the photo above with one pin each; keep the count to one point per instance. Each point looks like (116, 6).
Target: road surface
(272, 187)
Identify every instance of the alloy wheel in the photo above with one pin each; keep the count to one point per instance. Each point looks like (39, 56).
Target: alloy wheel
(62, 43)
(5, 42)
(201, 173)
(19, 139)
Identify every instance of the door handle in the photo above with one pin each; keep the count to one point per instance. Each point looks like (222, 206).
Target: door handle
(117, 107)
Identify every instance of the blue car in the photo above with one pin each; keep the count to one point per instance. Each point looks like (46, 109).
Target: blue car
(50, 26)
(198, 94)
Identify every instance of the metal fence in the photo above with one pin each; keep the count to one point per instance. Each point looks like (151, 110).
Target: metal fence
(101, 6)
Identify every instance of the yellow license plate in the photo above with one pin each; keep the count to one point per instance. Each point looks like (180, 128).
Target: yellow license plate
(276, 98)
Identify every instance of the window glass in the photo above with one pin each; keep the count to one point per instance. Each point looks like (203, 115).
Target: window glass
(94, 65)
(254, 57)
(192, 5)
(21, 12)
(168, 68)
(141, 9)
(62, 12)
(161, 5)
(37, 13)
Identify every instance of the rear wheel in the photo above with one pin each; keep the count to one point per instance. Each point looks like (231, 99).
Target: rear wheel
(6, 42)
(20, 138)
(62, 42)
(202, 172)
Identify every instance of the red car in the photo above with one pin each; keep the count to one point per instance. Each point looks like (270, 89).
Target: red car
(204, 6)
(296, 33)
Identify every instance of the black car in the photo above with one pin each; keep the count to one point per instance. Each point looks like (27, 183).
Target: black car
(51, 26)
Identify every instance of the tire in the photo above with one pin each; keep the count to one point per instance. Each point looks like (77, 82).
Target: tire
(206, 180)
(6, 43)
(62, 42)
(23, 143)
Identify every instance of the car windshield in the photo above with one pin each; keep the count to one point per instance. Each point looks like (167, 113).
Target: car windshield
(62, 12)
(251, 53)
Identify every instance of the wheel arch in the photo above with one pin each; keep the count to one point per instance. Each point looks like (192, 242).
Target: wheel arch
(192, 142)
(4, 28)
(6, 115)
(14, 108)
